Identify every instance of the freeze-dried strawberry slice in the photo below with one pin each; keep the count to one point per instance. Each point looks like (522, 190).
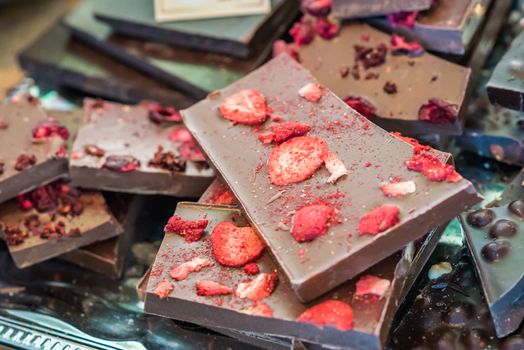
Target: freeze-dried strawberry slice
(418, 147)
(399, 46)
(379, 220)
(336, 168)
(284, 131)
(235, 246)
(332, 313)
(258, 308)
(222, 196)
(251, 269)
(311, 221)
(189, 150)
(191, 230)
(398, 189)
(432, 168)
(311, 92)
(163, 289)
(211, 288)
(181, 135)
(246, 107)
(180, 272)
(370, 285)
(296, 160)
(259, 288)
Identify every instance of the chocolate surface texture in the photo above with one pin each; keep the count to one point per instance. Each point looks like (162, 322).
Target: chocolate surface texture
(368, 8)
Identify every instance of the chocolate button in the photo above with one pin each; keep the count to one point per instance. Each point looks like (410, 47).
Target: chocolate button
(517, 208)
(480, 217)
(496, 250)
(503, 228)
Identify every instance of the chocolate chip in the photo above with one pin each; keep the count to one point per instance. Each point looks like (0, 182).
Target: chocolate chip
(25, 161)
(480, 217)
(459, 314)
(503, 228)
(123, 164)
(94, 150)
(496, 250)
(517, 208)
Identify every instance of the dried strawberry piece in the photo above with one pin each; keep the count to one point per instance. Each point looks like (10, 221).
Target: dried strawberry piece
(332, 313)
(122, 164)
(24, 161)
(418, 147)
(437, 111)
(235, 246)
(94, 150)
(280, 46)
(163, 289)
(223, 196)
(296, 160)
(251, 269)
(180, 272)
(335, 167)
(326, 29)
(361, 105)
(311, 92)
(379, 220)
(181, 135)
(191, 230)
(49, 128)
(398, 189)
(284, 131)
(246, 107)
(311, 221)
(159, 115)
(432, 168)
(167, 161)
(62, 152)
(259, 288)
(13, 235)
(212, 288)
(190, 151)
(302, 32)
(402, 19)
(258, 308)
(373, 286)
(399, 46)
(317, 8)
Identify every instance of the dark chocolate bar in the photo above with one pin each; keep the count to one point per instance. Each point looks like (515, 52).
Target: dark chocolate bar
(368, 8)
(374, 157)
(127, 150)
(194, 72)
(415, 81)
(234, 36)
(52, 220)
(372, 315)
(58, 58)
(32, 151)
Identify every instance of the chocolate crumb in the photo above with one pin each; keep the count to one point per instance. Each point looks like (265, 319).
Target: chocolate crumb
(390, 88)
(25, 161)
(167, 161)
(94, 150)
(434, 78)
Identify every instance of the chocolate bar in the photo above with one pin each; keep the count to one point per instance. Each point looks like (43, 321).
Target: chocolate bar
(218, 194)
(368, 8)
(52, 220)
(58, 58)
(235, 36)
(417, 81)
(141, 149)
(372, 315)
(32, 148)
(194, 72)
(375, 157)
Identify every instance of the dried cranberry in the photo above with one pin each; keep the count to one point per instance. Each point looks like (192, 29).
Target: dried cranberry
(167, 161)
(402, 19)
(399, 46)
(390, 88)
(13, 235)
(361, 105)
(123, 164)
(280, 46)
(344, 71)
(49, 128)
(370, 56)
(62, 151)
(317, 8)
(44, 199)
(325, 29)
(302, 32)
(438, 111)
(190, 151)
(158, 114)
(94, 150)
(355, 72)
(25, 161)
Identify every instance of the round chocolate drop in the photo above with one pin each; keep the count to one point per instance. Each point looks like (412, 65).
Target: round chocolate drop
(517, 208)
(459, 314)
(515, 342)
(480, 217)
(496, 250)
(503, 228)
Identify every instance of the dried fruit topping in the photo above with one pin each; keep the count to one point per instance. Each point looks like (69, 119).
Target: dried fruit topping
(246, 107)
(48, 128)
(13, 235)
(284, 131)
(399, 46)
(181, 135)
(212, 288)
(332, 313)
(190, 151)
(180, 272)
(25, 161)
(251, 269)
(123, 164)
(361, 105)
(372, 286)
(335, 167)
(398, 189)
(191, 230)
(317, 8)
(390, 88)
(235, 246)
(402, 19)
(2, 168)
(3, 125)
(280, 46)
(258, 308)
(58, 197)
(51, 230)
(311, 92)
(158, 114)
(311, 221)
(437, 111)
(302, 32)
(326, 29)
(259, 288)
(370, 56)
(344, 71)
(413, 142)
(379, 220)
(432, 167)
(296, 160)
(94, 150)
(167, 161)
(61, 152)
(163, 289)
(222, 196)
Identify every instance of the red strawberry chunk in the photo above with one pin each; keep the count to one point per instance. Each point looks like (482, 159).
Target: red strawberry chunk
(180, 272)
(302, 32)
(432, 167)
(251, 269)
(336, 168)
(296, 160)
(246, 107)
(163, 289)
(235, 246)
(398, 189)
(311, 92)
(181, 135)
(224, 197)
(311, 221)
(266, 138)
(399, 46)
(332, 313)
(189, 150)
(259, 308)
(211, 288)
(192, 230)
(284, 131)
(379, 220)
(259, 288)
(370, 285)
(280, 46)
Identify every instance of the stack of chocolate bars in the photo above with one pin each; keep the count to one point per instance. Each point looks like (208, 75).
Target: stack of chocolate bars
(307, 200)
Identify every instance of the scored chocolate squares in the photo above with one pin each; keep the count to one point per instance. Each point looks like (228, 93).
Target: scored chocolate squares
(140, 149)
(224, 278)
(330, 192)
(52, 220)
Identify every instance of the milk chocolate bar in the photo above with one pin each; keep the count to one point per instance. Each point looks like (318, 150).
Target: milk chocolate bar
(347, 241)
(140, 149)
(174, 295)
(368, 8)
